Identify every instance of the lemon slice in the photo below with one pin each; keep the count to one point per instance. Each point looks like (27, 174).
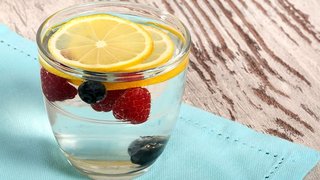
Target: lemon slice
(169, 29)
(101, 43)
(146, 82)
(140, 83)
(162, 52)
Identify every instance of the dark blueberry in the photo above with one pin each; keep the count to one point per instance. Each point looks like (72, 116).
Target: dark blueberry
(91, 91)
(146, 149)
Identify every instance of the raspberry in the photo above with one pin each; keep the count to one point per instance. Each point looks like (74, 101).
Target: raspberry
(56, 88)
(133, 105)
(107, 103)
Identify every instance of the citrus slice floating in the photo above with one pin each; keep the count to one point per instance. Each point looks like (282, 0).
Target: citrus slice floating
(162, 52)
(101, 43)
(53, 70)
(154, 80)
(145, 82)
(169, 29)
(74, 43)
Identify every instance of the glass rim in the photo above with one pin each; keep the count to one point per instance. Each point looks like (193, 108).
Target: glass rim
(177, 59)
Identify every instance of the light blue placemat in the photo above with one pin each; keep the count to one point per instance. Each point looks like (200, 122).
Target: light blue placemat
(203, 146)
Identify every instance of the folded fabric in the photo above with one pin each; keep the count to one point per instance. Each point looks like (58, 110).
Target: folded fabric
(203, 146)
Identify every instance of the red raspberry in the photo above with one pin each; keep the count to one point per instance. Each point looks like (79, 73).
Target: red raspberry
(107, 103)
(134, 105)
(56, 88)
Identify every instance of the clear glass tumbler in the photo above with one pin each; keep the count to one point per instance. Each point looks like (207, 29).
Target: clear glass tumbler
(92, 137)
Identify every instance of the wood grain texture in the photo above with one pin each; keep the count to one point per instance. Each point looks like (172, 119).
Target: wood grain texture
(254, 61)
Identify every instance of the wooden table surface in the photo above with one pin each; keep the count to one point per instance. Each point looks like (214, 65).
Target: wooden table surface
(256, 62)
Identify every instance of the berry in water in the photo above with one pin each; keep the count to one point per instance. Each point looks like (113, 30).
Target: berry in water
(146, 149)
(133, 105)
(107, 103)
(91, 91)
(56, 88)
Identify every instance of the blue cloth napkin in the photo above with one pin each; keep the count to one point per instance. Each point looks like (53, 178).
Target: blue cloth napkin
(202, 147)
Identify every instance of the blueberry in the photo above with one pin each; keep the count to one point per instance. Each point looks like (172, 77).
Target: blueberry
(91, 91)
(146, 149)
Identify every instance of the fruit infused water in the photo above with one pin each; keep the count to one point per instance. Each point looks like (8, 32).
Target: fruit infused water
(112, 82)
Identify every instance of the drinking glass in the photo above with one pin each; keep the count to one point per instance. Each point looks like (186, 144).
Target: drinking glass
(96, 143)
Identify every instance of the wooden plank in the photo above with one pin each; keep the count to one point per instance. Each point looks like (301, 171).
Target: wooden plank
(256, 62)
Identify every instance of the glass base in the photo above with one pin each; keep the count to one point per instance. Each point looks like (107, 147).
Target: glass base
(116, 177)
(104, 170)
